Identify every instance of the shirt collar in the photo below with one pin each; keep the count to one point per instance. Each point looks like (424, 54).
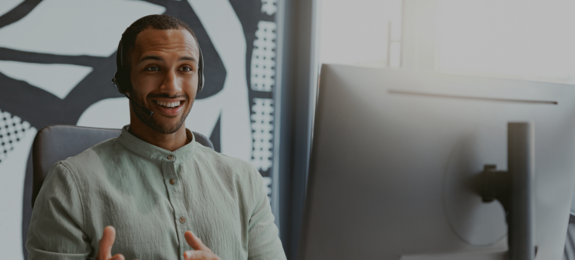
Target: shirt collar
(147, 150)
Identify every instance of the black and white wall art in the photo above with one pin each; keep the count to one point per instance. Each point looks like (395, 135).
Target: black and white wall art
(57, 58)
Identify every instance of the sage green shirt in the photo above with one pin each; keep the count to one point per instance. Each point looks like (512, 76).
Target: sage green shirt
(152, 196)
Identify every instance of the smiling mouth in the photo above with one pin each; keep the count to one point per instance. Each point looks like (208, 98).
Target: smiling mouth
(174, 104)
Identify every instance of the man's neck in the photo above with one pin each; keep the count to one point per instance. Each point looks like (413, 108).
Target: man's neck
(170, 142)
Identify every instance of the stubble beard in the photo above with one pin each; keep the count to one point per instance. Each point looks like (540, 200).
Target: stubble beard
(150, 122)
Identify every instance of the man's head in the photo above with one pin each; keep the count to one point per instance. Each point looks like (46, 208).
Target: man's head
(158, 67)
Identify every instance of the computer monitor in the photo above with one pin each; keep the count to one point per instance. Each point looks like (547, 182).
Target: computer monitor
(393, 153)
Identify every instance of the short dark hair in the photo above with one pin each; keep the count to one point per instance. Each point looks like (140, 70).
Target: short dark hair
(158, 22)
(128, 42)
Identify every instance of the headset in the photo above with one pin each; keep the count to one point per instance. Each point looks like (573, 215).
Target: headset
(122, 77)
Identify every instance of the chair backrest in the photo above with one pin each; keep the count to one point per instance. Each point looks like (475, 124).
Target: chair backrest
(58, 142)
(569, 253)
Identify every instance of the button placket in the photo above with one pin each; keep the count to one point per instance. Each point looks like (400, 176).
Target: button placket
(172, 178)
(171, 181)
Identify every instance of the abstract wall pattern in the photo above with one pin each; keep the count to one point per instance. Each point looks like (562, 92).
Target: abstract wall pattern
(57, 58)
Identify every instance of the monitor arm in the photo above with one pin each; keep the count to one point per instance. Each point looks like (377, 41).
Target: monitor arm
(495, 185)
(514, 190)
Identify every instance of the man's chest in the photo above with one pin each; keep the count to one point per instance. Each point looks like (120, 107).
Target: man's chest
(151, 216)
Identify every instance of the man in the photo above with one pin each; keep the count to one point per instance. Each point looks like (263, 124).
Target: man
(152, 192)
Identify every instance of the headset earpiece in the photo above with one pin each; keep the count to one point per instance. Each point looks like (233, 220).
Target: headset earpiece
(200, 70)
(118, 79)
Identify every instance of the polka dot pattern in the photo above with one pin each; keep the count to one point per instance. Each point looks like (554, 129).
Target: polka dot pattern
(12, 130)
(264, 57)
(262, 133)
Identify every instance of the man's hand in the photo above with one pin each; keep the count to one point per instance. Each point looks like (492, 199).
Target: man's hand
(201, 251)
(105, 246)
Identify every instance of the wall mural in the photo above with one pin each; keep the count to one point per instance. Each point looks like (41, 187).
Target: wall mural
(57, 58)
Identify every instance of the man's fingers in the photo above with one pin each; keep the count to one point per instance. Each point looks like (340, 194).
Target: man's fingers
(195, 242)
(201, 250)
(108, 237)
(197, 255)
(118, 257)
(106, 243)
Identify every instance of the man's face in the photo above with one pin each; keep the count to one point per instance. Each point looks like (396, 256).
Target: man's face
(164, 77)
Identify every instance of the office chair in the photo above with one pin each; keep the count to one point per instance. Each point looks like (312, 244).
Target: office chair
(58, 142)
(570, 240)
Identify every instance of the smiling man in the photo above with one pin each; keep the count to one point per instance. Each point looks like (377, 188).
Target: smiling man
(153, 192)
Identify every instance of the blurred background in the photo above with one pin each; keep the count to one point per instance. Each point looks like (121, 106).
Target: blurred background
(262, 62)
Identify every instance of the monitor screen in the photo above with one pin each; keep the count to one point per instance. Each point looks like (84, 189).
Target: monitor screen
(392, 151)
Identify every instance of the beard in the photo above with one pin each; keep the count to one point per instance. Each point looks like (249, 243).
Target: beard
(152, 123)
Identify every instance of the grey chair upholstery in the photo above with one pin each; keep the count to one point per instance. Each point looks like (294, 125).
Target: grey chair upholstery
(58, 142)
(569, 253)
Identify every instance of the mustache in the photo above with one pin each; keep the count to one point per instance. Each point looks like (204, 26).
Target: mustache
(168, 96)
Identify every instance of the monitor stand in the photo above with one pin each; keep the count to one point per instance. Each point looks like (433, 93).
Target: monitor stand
(514, 190)
(479, 221)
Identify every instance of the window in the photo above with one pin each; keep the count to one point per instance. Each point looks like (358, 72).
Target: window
(360, 32)
(530, 40)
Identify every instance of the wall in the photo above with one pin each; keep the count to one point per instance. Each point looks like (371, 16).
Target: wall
(57, 58)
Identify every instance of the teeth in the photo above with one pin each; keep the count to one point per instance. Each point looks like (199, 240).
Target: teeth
(168, 104)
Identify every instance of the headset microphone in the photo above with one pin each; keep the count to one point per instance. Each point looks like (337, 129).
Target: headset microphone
(148, 112)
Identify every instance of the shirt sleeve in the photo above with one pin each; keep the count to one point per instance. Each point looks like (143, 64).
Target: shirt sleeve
(57, 219)
(264, 242)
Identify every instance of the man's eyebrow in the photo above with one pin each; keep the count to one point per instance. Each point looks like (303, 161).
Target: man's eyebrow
(158, 58)
(190, 58)
(150, 57)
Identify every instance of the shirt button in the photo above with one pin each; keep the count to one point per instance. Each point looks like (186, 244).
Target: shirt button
(172, 181)
(182, 220)
(170, 157)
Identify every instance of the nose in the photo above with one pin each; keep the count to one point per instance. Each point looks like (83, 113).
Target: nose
(171, 85)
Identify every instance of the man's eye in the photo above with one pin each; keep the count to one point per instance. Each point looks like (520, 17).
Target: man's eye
(187, 69)
(154, 68)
